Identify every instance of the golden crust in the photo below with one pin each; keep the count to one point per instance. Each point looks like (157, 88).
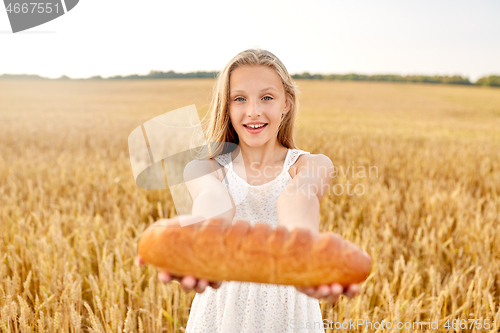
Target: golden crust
(253, 254)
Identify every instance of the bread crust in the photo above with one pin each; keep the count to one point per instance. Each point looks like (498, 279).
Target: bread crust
(240, 252)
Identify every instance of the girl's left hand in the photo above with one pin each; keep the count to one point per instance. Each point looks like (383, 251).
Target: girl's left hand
(330, 292)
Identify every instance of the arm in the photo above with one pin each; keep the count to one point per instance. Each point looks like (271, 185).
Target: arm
(298, 205)
(210, 199)
(210, 196)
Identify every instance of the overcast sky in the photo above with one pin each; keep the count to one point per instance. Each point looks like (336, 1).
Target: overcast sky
(121, 37)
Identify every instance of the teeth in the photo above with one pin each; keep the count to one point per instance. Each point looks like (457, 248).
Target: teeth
(256, 126)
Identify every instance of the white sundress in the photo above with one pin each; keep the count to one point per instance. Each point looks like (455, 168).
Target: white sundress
(246, 307)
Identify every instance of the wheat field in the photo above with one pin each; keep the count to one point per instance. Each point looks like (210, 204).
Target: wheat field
(429, 213)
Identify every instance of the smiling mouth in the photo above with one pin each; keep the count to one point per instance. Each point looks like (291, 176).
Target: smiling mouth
(256, 127)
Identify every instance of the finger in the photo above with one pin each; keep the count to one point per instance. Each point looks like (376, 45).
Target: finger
(188, 282)
(301, 289)
(201, 285)
(321, 291)
(313, 292)
(336, 289)
(215, 285)
(164, 277)
(351, 291)
(307, 290)
(139, 261)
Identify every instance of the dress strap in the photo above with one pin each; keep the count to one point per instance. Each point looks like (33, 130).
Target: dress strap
(225, 160)
(292, 156)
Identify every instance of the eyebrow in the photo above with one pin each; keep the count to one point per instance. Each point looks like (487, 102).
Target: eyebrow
(242, 91)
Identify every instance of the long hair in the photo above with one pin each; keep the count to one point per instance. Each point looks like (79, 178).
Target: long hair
(219, 129)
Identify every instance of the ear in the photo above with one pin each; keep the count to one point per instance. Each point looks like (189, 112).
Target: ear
(288, 105)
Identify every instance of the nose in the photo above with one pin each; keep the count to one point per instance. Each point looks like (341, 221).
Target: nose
(253, 109)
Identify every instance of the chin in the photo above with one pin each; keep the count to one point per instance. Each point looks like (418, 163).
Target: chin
(255, 143)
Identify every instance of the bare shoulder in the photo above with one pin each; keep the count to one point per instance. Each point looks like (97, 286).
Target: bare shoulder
(311, 160)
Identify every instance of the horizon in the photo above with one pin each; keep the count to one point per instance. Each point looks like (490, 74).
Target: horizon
(64, 76)
(388, 37)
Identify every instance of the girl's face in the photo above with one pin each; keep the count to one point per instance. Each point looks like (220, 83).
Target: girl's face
(256, 96)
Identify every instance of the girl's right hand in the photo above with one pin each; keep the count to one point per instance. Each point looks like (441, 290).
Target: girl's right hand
(187, 282)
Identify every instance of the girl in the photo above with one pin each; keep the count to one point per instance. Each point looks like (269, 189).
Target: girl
(254, 107)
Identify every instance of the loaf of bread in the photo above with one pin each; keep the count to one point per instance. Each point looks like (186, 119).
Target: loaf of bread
(240, 252)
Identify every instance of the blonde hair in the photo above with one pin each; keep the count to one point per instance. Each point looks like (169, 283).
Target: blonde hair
(219, 129)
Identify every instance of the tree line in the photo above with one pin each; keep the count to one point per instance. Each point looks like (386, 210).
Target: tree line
(492, 80)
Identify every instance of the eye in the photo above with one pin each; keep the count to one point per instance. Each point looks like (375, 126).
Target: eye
(236, 99)
(267, 97)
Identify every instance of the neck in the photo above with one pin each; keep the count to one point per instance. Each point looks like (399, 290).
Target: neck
(259, 157)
